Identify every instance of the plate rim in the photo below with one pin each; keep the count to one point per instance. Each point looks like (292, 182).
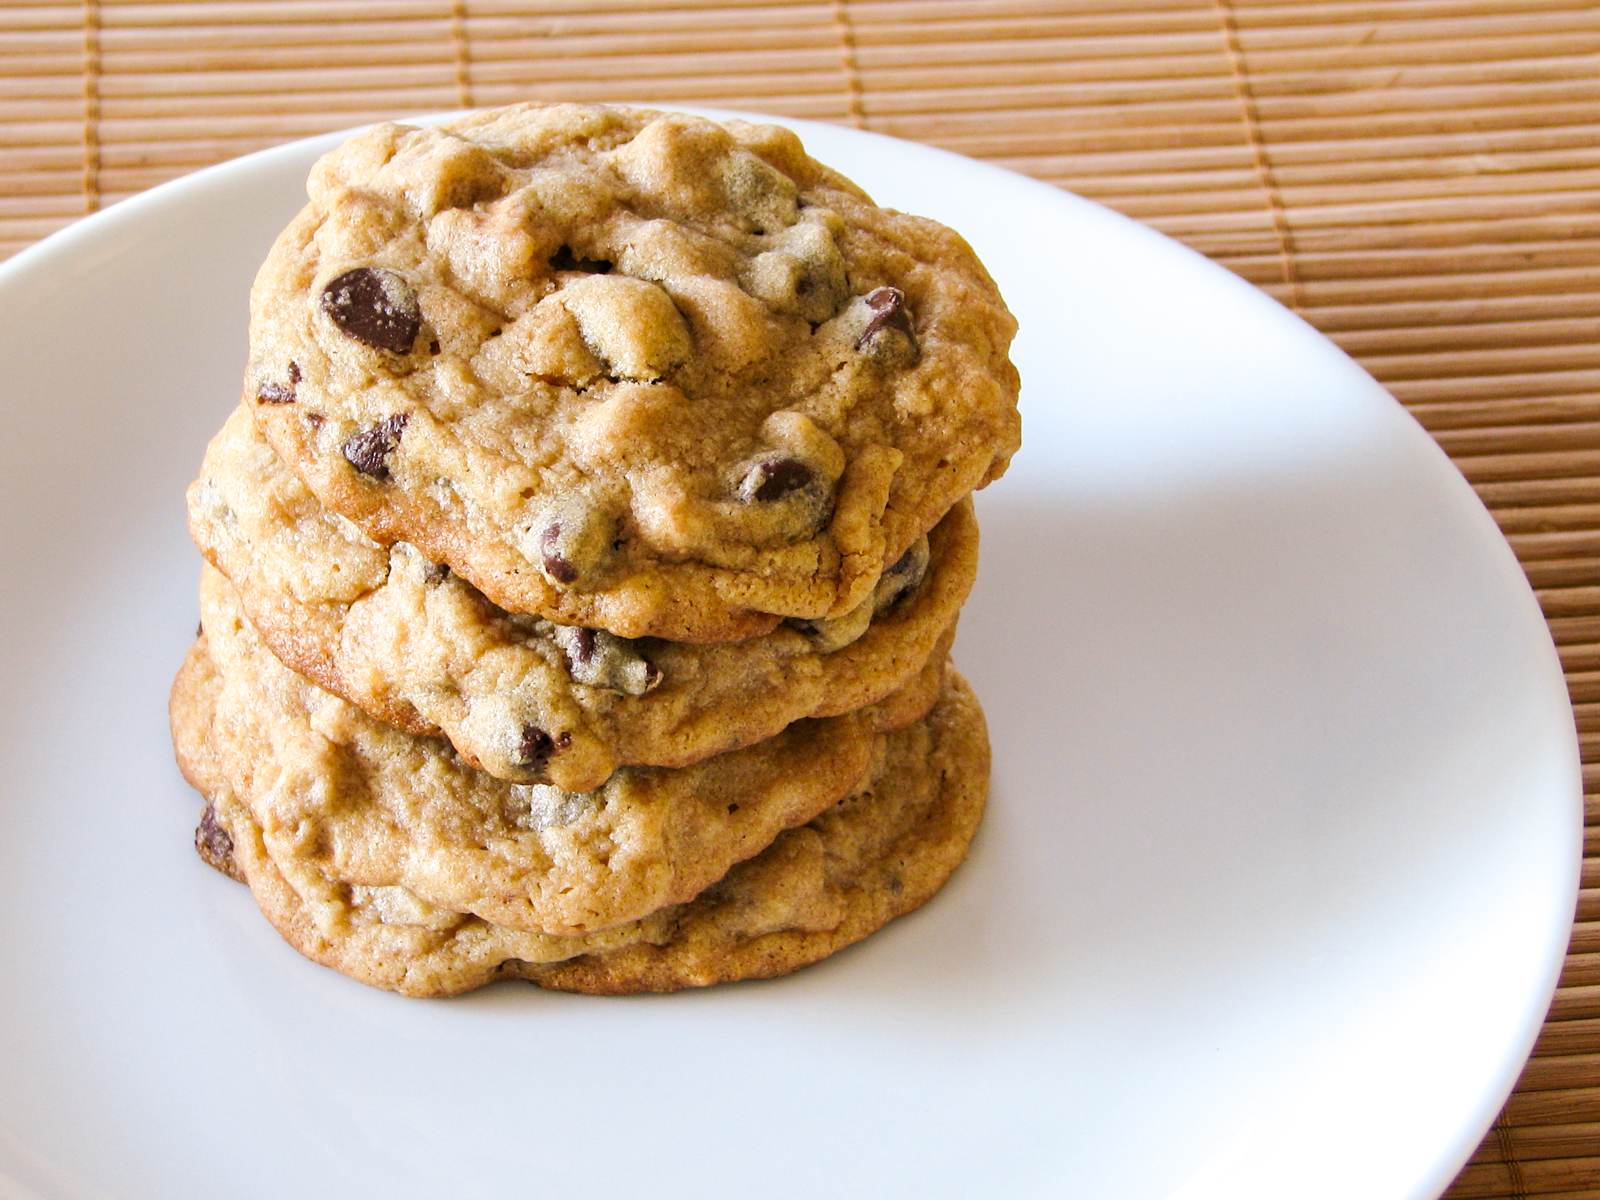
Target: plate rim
(83, 233)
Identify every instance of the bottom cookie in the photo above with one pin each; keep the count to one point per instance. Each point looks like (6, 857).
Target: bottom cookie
(874, 856)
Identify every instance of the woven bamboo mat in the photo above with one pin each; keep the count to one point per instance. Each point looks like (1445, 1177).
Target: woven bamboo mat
(1419, 178)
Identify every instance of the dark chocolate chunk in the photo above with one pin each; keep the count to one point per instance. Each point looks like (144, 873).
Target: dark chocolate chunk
(888, 306)
(775, 478)
(279, 393)
(375, 307)
(535, 747)
(369, 450)
(565, 260)
(557, 567)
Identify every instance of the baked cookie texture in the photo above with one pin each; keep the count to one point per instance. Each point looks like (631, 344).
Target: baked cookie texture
(584, 557)
(635, 371)
(382, 808)
(880, 852)
(418, 647)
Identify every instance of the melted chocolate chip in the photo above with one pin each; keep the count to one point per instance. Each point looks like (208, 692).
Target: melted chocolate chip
(906, 561)
(558, 568)
(888, 305)
(213, 844)
(582, 645)
(375, 307)
(369, 450)
(535, 747)
(565, 260)
(774, 478)
(596, 658)
(903, 578)
(280, 393)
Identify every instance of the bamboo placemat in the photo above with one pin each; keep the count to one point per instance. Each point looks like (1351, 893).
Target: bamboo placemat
(1416, 177)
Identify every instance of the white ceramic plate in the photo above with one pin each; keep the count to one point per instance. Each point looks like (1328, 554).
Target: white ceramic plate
(1271, 898)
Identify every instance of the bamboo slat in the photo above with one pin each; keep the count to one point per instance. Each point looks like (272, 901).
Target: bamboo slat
(1418, 178)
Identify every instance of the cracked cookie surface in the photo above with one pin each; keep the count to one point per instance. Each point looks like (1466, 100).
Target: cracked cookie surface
(879, 853)
(381, 808)
(635, 371)
(420, 648)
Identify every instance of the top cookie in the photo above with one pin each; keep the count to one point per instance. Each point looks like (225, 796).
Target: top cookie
(630, 370)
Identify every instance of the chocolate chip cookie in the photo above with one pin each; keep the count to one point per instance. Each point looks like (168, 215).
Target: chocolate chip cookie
(635, 371)
(417, 646)
(879, 853)
(382, 808)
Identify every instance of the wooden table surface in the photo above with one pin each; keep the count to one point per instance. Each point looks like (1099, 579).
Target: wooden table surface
(1419, 178)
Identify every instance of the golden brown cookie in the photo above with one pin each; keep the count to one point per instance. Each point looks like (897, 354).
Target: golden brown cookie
(374, 806)
(420, 648)
(629, 370)
(880, 853)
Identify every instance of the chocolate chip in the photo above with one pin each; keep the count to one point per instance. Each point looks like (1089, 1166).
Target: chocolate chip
(279, 393)
(774, 478)
(828, 634)
(903, 578)
(907, 561)
(596, 658)
(888, 307)
(214, 845)
(571, 536)
(375, 307)
(565, 260)
(582, 646)
(369, 450)
(535, 747)
(555, 566)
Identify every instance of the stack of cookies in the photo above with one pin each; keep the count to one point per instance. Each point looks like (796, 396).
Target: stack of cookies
(583, 560)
